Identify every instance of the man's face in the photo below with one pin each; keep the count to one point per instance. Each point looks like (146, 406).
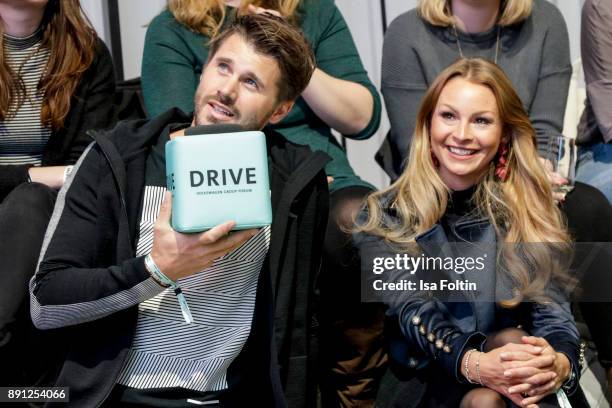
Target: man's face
(239, 86)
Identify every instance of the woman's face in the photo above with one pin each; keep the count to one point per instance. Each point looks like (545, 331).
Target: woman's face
(465, 133)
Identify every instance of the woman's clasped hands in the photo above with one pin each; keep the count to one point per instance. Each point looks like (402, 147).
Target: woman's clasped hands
(525, 373)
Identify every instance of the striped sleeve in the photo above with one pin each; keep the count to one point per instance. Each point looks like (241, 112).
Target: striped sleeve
(67, 289)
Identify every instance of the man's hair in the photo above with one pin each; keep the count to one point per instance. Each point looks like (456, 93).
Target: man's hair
(273, 37)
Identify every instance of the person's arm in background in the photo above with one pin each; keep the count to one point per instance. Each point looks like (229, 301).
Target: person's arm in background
(93, 102)
(403, 85)
(596, 47)
(340, 92)
(550, 98)
(169, 77)
(13, 175)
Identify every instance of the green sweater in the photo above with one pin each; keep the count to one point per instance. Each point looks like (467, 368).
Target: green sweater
(174, 56)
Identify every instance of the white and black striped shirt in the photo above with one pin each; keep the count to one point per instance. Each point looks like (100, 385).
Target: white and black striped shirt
(167, 352)
(22, 136)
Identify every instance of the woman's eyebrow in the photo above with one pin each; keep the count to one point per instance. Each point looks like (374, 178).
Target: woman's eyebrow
(448, 106)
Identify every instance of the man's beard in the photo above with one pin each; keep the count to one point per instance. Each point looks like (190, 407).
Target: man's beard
(246, 122)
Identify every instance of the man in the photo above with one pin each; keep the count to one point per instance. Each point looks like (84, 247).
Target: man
(126, 341)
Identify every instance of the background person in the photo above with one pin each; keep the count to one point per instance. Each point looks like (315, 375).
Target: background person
(594, 140)
(56, 82)
(595, 128)
(526, 38)
(339, 96)
(474, 176)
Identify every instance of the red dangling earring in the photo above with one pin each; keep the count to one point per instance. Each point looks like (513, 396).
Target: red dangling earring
(501, 168)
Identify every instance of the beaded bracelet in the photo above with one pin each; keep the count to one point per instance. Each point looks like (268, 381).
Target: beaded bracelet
(467, 368)
(478, 368)
(159, 277)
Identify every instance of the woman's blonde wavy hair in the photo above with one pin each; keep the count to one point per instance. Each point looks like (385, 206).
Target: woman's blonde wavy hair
(521, 208)
(207, 16)
(438, 12)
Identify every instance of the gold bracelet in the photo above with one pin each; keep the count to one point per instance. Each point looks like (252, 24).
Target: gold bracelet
(467, 364)
(478, 368)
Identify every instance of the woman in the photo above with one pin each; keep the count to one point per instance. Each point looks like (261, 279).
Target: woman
(528, 40)
(474, 176)
(56, 82)
(340, 96)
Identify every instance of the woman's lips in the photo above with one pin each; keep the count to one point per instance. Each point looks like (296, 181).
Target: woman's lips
(462, 153)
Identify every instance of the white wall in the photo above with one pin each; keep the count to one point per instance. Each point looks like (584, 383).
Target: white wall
(364, 20)
(96, 12)
(135, 15)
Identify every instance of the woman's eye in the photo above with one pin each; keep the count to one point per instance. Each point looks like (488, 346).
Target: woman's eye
(447, 115)
(223, 67)
(483, 121)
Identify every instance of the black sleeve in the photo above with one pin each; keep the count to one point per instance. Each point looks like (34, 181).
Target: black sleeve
(11, 177)
(72, 284)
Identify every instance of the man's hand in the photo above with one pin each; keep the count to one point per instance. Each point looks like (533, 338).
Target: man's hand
(179, 255)
(260, 10)
(537, 379)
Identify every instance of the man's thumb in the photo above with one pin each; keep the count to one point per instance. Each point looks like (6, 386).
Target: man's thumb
(165, 210)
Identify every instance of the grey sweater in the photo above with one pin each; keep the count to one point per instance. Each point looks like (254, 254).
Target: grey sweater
(534, 54)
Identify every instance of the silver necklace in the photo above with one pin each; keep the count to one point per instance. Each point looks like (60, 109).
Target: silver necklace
(459, 43)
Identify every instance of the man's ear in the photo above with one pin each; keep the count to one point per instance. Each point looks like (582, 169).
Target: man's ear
(281, 111)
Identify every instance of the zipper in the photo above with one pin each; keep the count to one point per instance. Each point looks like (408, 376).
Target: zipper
(312, 165)
(125, 215)
(116, 177)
